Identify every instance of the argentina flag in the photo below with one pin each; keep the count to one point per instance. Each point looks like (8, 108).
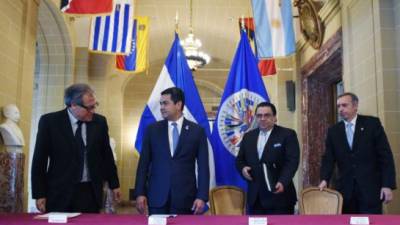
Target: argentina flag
(176, 73)
(273, 28)
(113, 33)
(236, 114)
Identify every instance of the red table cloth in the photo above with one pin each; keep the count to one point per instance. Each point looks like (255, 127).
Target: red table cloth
(103, 219)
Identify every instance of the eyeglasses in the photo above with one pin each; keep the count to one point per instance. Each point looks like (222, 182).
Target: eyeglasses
(266, 115)
(90, 108)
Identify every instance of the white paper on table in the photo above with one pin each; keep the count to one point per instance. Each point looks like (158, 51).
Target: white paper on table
(359, 220)
(47, 215)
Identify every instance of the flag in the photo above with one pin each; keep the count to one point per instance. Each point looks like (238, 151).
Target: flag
(274, 28)
(137, 60)
(86, 7)
(236, 114)
(176, 73)
(265, 66)
(113, 34)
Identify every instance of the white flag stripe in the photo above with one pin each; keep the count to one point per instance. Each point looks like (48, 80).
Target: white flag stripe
(120, 31)
(101, 35)
(163, 82)
(111, 32)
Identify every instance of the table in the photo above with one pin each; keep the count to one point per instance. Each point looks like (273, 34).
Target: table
(104, 219)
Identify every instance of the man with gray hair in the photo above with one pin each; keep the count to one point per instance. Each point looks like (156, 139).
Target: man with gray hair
(359, 147)
(72, 156)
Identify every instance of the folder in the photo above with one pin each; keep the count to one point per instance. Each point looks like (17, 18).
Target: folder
(269, 179)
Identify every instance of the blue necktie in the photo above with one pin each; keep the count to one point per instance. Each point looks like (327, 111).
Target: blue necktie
(175, 137)
(349, 134)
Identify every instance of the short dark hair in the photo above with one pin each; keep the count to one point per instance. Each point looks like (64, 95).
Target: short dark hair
(267, 104)
(74, 93)
(354, 98)
(176, 95)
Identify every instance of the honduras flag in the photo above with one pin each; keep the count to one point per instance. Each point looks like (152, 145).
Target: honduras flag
(236, 115)
(176, 73)
(274, 28)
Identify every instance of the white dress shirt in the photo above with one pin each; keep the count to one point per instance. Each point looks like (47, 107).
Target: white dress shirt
(262, 141)
(353, 121)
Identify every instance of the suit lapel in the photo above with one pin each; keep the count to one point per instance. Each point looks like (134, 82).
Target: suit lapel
(270, 140)
(358, 131)
(164, 136)
(254, 142)
(91, 129)
(66, 129)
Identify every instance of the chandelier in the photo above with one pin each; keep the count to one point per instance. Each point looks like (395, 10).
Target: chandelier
(191, 45)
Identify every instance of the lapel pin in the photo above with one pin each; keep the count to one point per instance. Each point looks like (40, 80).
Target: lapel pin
(187, 127)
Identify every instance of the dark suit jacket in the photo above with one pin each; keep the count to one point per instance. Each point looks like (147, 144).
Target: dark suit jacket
(281, 155)
(57, 148)
(159, 174)
(369, 163)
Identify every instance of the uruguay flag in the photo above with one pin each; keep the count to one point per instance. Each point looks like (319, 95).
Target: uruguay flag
(113, 33)
(274, 28)
(236, 115)
(176, 73)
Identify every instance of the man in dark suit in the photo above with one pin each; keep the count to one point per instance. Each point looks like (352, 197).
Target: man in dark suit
(166, 171)
(72, 157)
(361, 151)
(268, 159)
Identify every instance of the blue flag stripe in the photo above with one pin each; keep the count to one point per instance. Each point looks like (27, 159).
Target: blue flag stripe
(146, 119)
(105, 34)
(96, 33)
(115, 31)
(286, 10)
(125, 29)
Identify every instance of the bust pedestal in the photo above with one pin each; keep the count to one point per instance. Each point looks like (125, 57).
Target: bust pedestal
(11, 181)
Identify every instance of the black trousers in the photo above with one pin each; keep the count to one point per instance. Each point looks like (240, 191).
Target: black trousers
(259, 209)
(357, 205)
(83, 199)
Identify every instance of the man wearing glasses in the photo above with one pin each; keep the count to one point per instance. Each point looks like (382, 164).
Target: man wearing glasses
(73, 157)
(268, 159)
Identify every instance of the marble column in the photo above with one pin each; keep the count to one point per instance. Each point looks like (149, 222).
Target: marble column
(11, 181)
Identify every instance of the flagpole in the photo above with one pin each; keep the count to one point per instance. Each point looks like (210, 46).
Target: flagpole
(177, 22)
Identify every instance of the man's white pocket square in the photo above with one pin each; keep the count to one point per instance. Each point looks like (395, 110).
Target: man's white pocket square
(277, 145)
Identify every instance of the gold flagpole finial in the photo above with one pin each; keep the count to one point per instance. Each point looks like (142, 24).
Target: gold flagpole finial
(177, 22)
(242, 22)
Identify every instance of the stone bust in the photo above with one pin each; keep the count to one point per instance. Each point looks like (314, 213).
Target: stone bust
(12, 136)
